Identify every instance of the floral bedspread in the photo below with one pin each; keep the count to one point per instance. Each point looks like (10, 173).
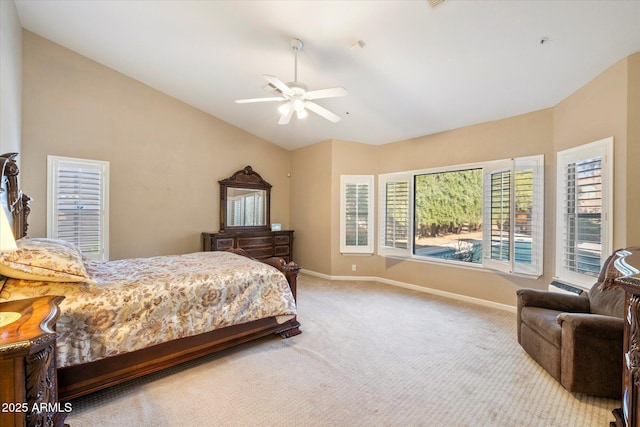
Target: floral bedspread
(140, 302)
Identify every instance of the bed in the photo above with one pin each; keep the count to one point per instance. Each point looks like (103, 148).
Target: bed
(170, 309)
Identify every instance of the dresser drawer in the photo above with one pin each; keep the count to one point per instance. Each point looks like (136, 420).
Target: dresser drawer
(281, 251)
(260, 252)
(248, 242)
(282, 240)
(222, 244)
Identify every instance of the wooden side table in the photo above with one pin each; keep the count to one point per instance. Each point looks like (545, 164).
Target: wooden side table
(28, 389)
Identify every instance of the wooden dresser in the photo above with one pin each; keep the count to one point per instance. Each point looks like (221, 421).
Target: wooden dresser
(258, 244)
(628, 264)
(28, 389)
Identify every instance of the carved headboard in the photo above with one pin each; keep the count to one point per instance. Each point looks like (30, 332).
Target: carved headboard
(15, 204)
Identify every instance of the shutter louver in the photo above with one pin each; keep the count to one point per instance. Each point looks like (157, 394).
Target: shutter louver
(500, 203)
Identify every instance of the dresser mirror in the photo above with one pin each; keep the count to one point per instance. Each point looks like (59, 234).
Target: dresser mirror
(245, 202)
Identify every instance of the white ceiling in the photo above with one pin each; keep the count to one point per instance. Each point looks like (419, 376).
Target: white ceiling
(422, 70)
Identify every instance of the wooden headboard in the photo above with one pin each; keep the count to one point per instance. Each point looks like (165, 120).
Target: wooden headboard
(15, 204)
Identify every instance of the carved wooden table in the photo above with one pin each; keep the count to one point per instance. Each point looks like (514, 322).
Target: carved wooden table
(628, 264)
(28, 390)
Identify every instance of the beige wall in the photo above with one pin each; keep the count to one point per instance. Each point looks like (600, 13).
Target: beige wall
(632, 196)
(316, 183)
(596, 111)
(166, 157)
(10, 78)
(311, 206)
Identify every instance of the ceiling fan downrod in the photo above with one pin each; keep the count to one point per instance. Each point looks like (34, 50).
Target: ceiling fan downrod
(296, 45)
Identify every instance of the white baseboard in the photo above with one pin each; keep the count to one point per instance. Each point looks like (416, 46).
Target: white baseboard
(413, 287)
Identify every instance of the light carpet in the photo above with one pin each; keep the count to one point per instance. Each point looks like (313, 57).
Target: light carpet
(369, 355)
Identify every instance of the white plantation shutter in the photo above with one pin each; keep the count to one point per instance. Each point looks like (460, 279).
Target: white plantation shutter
(356, 214)
(513, 209)
(395, 216)
(529, 215)
(584, 207)
(77, 204)
(497, 250)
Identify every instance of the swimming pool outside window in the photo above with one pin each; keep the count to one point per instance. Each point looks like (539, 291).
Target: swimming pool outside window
(487, 215)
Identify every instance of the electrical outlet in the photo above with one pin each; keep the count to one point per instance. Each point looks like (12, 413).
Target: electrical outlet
(353, 267)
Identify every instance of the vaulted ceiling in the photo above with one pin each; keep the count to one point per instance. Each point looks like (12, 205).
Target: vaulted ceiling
(418, 69)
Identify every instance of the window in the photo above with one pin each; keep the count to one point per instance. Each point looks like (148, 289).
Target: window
(584, 209)
(487, 215)
(77, 199)
(448, 209)
(356, 214)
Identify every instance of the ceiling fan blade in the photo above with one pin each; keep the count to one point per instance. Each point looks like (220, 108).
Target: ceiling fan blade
(326, 93)
(286, 116)
(277, 83)
(321, 111)
(247, 101)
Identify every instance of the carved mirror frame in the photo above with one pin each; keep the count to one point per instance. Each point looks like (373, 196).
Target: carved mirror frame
(245, 178)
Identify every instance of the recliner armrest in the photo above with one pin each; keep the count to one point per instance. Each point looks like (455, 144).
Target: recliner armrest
(592, 353)
(552, 300)
(595, 326)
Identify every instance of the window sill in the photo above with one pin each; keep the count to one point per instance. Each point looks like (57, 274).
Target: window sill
(461, 264)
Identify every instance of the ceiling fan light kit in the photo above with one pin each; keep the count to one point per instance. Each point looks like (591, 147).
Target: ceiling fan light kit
(296, 95)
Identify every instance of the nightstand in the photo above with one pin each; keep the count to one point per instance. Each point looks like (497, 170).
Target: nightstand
(28, 389)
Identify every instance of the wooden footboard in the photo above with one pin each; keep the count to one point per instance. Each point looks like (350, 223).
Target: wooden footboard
(75, 381)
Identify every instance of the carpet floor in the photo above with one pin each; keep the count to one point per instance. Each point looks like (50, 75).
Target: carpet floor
(369, 355)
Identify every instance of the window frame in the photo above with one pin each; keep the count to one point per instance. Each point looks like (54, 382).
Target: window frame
(346, 180)
(535, 163)
(54, 165)
(602, 148)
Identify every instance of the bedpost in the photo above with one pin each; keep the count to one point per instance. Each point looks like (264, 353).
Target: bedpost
(16, 203)
(290, 271)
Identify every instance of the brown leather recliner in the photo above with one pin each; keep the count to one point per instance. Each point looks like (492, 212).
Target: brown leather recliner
(578, 339)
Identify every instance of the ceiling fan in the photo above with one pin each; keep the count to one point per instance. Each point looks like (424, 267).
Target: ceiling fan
(297, 96)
